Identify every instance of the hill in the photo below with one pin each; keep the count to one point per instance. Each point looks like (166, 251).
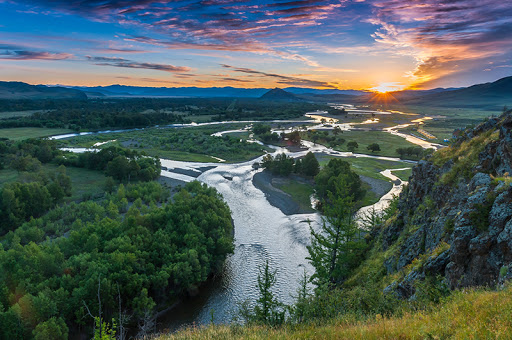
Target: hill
(19, 90)
(493, 95)
(278, 94)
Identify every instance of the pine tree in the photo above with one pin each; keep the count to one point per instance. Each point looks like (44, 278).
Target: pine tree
(268, 309)
(335, 249)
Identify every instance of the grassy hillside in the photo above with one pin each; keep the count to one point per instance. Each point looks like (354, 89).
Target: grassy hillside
(470, 314)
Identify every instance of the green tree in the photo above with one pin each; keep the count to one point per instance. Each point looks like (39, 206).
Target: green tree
(51, 329)
(119, 168)
(335, 249)
(373, 147)
(268, 309)
(310, 165)
(352, 146)
(325, 180)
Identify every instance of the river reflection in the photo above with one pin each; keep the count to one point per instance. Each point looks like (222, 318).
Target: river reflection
(261, 232)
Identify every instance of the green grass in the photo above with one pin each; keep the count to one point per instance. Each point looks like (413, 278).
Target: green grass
(30, 132)
(14, 114)
(300, 193)
(369, 167)
(181, 156)
(85, 181)
(403, 174)
(163, 142)
(370, 197)
(388, 143)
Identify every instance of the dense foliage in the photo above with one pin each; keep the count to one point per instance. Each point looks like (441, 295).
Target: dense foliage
(140, 112)
(332, 173)
(60, 270)
(283, 165)
(121, 164)
(20, 201)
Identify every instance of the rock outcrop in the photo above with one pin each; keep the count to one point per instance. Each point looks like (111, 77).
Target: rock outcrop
(455, 217)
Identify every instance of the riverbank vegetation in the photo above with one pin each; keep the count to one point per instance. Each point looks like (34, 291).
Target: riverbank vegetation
(187, 144)
(339, 140)
(118, 258)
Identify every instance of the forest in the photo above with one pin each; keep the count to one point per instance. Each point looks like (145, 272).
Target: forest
(112, 262)
(95, 114)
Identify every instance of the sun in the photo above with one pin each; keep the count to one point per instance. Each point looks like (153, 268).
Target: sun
(387, 87)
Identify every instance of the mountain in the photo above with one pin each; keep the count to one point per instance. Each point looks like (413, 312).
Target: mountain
(174, 92)
(492, 95)
(19, 90)
(278, 94)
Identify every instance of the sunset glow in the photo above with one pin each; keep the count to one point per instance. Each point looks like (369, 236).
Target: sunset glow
(387, 87)
(352, 44)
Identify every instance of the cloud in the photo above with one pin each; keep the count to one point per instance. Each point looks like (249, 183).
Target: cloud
(229, 25)
(281, 79)
(121, 62)
(444, 36)
(7, 54)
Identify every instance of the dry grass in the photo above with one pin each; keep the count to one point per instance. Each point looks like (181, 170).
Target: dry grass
(470, 314)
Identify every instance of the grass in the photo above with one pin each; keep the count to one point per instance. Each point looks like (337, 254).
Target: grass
(14, 114)
(467, 314)
(369, 167)
(403, 174)
(388, 143)
(84, 181)
(30, 132)
(181, 156)
(184, 144)
(300, 192)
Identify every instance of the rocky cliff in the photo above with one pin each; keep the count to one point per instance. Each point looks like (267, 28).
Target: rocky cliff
(454, 220)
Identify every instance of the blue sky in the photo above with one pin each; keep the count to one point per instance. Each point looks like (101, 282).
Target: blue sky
(356, 44)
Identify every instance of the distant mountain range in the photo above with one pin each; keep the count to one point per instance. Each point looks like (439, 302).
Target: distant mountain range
(19, 90)
(490, 95)
(208, 92)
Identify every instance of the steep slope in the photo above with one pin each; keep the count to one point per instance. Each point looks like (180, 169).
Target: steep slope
(278, 94)
(19, 90)
(455, 217)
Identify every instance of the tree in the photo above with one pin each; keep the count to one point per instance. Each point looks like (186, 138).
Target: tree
(352, 145)
(326, 178)
(294, 137)
(52, 329)
(373, 147)
(118, 168)
(310, 165)
(268, 309)
(335, 249)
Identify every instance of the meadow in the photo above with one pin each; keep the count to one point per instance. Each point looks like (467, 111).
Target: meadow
(22, 133)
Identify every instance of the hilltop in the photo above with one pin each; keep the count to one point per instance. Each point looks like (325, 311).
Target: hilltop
(278, 94)
(19, 90)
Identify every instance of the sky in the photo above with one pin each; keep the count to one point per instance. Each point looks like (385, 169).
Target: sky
(350, 44)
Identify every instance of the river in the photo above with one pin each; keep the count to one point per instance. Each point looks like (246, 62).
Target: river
(262, 232)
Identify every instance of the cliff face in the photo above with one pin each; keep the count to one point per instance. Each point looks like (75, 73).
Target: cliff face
(455, 217)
